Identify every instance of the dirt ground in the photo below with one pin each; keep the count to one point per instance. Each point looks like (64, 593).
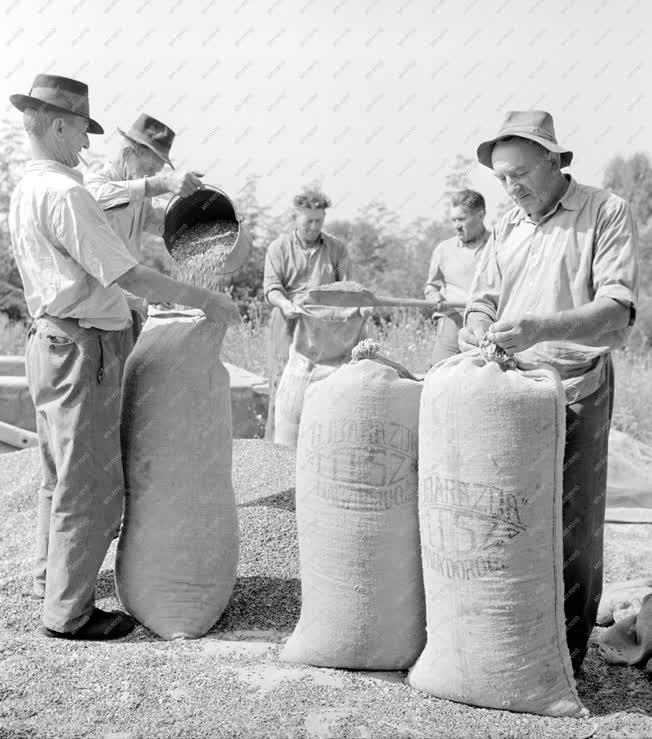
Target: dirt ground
(231, 682)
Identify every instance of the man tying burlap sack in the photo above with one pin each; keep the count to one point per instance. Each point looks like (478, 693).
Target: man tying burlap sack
(75, 269)
(557, 283)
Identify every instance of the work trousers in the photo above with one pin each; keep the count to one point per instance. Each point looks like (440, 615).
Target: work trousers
(585, 490)
(75, 379)
(446, 338)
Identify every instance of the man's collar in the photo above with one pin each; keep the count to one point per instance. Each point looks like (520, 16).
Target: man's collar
(570, 200)
(477, 243)
(40, 166)
(297, 239)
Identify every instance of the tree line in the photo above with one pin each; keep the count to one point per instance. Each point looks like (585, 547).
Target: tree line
(388, 259)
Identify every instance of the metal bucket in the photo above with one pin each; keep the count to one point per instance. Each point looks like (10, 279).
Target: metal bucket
(203, 206)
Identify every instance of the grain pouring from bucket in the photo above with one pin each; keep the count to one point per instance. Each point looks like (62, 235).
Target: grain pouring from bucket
(203, 232)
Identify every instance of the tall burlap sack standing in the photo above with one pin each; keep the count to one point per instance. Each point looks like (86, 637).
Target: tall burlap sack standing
(178, 548)
(491, 449)
(362, 604)
(323, 340)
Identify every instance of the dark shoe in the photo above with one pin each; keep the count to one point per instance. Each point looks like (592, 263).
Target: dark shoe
(99, 627)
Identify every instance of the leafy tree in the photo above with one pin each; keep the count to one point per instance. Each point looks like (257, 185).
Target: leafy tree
(13, 155)
(458, 178)
(631, 178)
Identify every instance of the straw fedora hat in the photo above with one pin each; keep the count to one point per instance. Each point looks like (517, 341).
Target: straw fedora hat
(153, 134)
(535, 125)
(58, 93)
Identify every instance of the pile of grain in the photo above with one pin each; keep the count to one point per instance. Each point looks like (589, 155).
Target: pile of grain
(210, 687)
(201, 251)
(344, 286)
(344, 294)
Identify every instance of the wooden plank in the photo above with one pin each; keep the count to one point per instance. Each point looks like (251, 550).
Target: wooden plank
(17, 437)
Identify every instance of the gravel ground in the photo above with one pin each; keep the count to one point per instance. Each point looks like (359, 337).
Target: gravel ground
(231, 683)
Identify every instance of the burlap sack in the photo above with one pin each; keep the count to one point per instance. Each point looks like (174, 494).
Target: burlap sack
(362, 601)
(178, 548)
(629, 641)
(323, 340)
(491, 448)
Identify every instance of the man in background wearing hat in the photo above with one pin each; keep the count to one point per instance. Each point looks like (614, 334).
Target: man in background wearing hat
(557, 283)
(74, 269)
(452, 267)
(124, 188)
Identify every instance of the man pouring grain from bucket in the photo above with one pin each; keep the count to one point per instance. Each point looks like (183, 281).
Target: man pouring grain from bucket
(75, 270)
(124, 188)
(295, 262)
(557, 284)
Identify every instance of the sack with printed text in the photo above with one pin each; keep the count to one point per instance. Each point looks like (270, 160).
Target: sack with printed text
(362, 604)
(491, 449)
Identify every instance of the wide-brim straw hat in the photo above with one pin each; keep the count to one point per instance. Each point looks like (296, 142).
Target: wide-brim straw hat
(534, 125)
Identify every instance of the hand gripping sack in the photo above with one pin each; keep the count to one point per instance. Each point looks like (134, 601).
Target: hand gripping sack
(362, 604)
(322, 341)
(178, 548)
(491, 449)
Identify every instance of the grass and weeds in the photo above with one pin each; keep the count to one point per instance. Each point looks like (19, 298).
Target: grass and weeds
(407, 337)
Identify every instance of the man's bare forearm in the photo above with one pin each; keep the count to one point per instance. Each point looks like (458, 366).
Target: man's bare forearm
(278, 299)
(477, 321)
(592, 320)
(156, 185)
(159, 288)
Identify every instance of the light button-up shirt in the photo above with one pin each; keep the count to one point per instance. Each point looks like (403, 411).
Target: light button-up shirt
(68, 256)
(585, 248)
(294, 269)
(126, 207)
(451, 270)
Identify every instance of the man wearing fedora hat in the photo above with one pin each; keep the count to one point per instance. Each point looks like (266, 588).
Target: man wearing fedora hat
(557, 284)
(124, 188)
(75, 271)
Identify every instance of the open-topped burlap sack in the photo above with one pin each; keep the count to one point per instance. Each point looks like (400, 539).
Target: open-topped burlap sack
(323, 340)
(178, 549)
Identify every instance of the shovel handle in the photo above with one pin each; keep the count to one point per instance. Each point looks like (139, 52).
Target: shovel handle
(413, 302)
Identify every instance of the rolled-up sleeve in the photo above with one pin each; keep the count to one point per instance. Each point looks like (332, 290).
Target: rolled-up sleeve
(82, 230)
(273, 272)
(615, 256)
(154, 217)
(113, 193)
(485, 288)
(435, 280)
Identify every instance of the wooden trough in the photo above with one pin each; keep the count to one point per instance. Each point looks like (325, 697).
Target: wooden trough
(18, 422)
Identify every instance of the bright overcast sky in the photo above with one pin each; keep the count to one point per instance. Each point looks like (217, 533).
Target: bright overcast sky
(372, 98)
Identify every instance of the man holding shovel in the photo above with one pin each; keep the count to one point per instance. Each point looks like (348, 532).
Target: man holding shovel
(557, 283)
(75, 270)
(124, 188)
(452, 267)
(296, 261)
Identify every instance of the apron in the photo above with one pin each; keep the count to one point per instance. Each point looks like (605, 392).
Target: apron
(280, 332)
